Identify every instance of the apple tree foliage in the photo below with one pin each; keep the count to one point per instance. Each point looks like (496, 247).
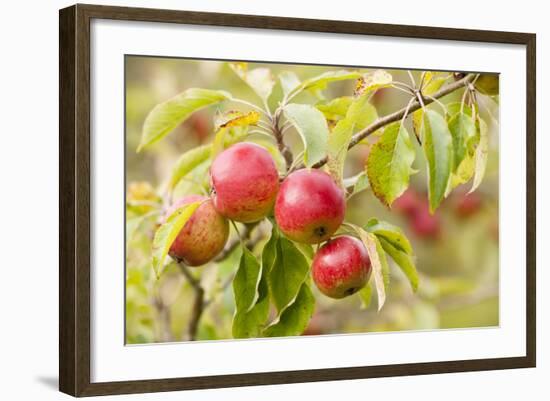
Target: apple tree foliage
(272, 291)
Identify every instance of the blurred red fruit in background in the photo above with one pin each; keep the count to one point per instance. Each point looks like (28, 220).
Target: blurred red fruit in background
(415, 208)
(468, 204)
(200, 126)
(424, 224)
(408, 203)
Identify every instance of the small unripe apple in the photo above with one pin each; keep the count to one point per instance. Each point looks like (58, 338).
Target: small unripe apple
(203, 236)
(245, 182)
(341, 267)
(310, 206)
(488, 84)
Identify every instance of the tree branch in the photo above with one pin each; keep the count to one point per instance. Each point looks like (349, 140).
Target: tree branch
(278, 133)
(399, 114)
(198, 302)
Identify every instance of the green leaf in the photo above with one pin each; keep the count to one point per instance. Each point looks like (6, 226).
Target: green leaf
(373, 80)
(391, 233)
(358, 115)
(312, 127)
(269, 253)
(403, 260)
(249, 324)
(321, 81)
(457, 107)
(438, 148)
(306, 249)
(260, 80)
(389, 163)
(357, 183)
(246, 282)
(287, 274)
(167, 233)
(462, 129)
(289, 82)
(188, 162)
(133, 224)
(337, 149)
(336, 109)
(365, 294)
(294, 320)
(379, 263)
(481, 154)
(432, 83)
(168, 115)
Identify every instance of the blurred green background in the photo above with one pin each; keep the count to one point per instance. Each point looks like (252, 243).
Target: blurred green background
(456, 249)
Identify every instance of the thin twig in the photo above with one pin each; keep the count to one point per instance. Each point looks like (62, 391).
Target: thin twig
(196, 312)
(248, 228)
(397, 115)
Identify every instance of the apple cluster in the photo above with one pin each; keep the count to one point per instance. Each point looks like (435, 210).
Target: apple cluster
(308, 207)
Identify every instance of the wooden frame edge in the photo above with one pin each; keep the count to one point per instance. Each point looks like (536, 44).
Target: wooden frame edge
(74, 200)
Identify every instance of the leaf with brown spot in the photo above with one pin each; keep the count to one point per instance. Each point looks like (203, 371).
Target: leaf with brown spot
(389, 163)
(370, 81)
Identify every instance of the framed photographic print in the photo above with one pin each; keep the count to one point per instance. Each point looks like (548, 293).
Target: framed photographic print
(298, 200)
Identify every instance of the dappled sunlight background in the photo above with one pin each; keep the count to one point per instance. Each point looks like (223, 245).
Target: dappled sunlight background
(456, 249)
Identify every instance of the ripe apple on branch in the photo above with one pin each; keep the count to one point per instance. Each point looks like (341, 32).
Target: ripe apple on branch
(302, 196)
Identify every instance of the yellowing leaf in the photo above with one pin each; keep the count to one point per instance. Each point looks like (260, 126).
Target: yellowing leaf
(358, 115)
(167, 233)
(481, 154)
(236, 118)
(379, 263)
(231, 119)
(373, 80)
(389, 163)
(417, 118)
(433, 82)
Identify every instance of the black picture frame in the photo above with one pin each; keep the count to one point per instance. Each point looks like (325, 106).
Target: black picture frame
(74, 199)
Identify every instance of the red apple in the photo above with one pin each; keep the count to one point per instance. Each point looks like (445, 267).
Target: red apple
(203, 236)
(341, 267)
(310, 206)
(245, 182)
